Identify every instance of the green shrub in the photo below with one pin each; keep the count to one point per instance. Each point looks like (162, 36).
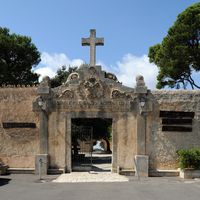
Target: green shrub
(189, 158)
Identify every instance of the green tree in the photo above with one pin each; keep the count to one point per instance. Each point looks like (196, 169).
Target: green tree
(61, 76)
(179, 53)
(17, 57)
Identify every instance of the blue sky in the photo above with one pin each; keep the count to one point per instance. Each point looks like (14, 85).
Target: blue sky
(129, 28)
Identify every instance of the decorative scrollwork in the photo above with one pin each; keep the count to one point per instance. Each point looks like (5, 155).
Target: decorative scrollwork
(111, 76)
(92, 71)
(93, 88)
(67, 94)
(116, 94)
(73, 76)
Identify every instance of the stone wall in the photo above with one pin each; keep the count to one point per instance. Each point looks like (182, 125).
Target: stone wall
(126, 140)
(18, 146)
(162, 145)
(57, 140)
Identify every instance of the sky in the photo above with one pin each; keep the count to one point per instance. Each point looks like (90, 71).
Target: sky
(129, 28)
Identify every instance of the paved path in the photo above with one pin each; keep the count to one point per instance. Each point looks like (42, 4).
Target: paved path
(27, 187)
(91, 177)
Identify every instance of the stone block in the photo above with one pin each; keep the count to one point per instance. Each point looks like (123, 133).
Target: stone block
(43, 90)
(41, 164)
(142, 165)
(140, 90)
(189, 173)
(3, 169)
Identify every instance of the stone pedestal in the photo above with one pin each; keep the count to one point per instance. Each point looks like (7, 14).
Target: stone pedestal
(142, 165)
(41, 164)
(189, 173)
(3, 169)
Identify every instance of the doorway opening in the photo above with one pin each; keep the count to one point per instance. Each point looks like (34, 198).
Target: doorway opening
(91, 144)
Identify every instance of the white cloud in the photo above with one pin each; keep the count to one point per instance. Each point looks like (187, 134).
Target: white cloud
(45, 71)
(130, 66)
(126, 69)
(50, 63)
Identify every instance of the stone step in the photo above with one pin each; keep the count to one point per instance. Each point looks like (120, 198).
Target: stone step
(164, 173)
(55, 171)
(21, 170)
(127, 172)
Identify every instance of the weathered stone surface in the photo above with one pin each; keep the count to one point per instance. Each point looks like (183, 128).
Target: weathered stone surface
(43, 90)
(3, 169)
(18, 146)
(189, 173)
(41, 164)
(140, 85)
(162, 146)
(142, 165)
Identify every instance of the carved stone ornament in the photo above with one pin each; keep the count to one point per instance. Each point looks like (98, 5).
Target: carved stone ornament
(140, 81)
(92, 71)
(46, 82)
(116, 94)
(67, 94)
(110, 76)
(93, 88)
(73, 76)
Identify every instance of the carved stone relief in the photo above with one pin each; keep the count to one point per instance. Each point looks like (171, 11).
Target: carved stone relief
(116, 94)
(93, 88)
(73, 76)
(93, 71)
(67, 94)
(111, 76)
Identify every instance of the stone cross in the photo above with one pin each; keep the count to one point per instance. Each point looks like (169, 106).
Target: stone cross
(92, 41)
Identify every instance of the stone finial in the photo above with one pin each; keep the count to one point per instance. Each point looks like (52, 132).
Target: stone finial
(46, 82)
(140, 85)
(45, 86)
(140, 81)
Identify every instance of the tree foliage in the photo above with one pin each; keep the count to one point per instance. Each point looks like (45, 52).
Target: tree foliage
(179, 53)
(18, 55)
(61, 76)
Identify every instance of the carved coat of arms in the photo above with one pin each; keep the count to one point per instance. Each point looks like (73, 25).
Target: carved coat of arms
(93, 88)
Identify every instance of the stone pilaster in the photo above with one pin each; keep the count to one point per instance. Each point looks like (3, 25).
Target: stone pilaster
(141, 134)
(43, 133)
(43, 105)
(144, 106)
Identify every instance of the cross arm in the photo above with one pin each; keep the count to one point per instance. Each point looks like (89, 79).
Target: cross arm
(85, 41)
(99, 41)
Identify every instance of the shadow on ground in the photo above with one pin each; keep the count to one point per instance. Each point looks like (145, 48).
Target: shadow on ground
(4, 181)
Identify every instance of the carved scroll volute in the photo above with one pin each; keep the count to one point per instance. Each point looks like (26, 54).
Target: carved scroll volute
(117, 94)
(66, 94)
(111, 77)
(73, 77)
(93, 88)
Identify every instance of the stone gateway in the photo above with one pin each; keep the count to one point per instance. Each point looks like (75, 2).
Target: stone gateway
(147, 127)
